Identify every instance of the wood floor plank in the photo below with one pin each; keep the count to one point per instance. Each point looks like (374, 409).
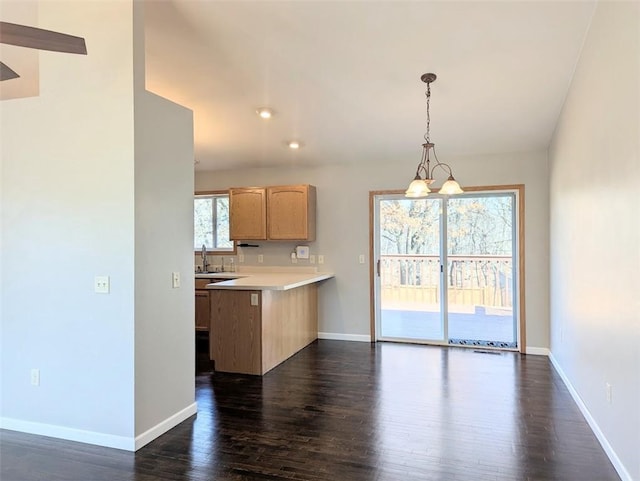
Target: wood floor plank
(351, 411)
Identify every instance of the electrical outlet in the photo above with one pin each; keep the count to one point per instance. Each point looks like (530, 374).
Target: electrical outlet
(35, 377)
(101, 284)
(608, 387)
(320, 259)
(254, 299)
(175, 279)
(241, 258)
(312, 259)
(260, 258)
(361, 259)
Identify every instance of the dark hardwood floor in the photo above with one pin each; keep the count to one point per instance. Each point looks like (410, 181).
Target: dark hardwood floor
(345, 411)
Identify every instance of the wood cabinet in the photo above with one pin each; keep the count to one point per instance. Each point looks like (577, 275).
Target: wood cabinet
(202, 305)
(253, 339)
(248, 213)
(286, 212)
(291, 212)
(236, 347)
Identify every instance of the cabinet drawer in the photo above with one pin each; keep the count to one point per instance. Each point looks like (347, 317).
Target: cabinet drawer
(203, 309)
(202, 283)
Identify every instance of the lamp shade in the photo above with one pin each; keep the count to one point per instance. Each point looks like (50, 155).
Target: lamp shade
(450, 187)
(417, 188)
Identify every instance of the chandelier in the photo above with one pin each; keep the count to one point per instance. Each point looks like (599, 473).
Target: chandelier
(419, 187)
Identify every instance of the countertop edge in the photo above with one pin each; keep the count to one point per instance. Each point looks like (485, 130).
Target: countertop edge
(246, 283)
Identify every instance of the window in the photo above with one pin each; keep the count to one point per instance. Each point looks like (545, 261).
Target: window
(211, 222)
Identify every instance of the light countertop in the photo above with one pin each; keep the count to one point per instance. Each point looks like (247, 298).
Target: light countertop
(264, 279)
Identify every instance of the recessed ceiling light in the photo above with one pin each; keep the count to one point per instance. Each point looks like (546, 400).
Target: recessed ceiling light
(265, 113)
(294, 144)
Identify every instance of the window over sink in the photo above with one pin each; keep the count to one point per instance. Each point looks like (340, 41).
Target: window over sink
(211, 222)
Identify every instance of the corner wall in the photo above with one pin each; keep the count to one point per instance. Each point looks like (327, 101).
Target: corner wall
(595, 233)
(96, 179)
(164, 335)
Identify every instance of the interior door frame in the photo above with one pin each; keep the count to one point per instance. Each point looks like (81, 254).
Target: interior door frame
(520, 239)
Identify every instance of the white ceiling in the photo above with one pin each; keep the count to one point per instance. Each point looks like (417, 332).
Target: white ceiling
(344, 76)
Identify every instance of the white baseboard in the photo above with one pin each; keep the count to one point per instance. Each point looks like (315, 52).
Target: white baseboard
(162, 427)
(335, 336)
(613, 457)
(537, 351)
(99, 439)
(70, 434)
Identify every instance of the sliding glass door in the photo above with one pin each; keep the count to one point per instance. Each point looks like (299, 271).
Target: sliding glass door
(479, 279)
(445, 269)
(409, 269)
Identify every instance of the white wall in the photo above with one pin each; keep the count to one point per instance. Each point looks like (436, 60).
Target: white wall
(595, 233)
(164, 314)
(81, 196)
(67, 215)
(164, 356)
(343, 227)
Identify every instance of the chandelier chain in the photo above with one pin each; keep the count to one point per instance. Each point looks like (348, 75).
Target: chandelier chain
(428, 94)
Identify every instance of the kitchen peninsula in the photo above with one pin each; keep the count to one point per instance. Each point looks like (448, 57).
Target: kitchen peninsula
(261, 318)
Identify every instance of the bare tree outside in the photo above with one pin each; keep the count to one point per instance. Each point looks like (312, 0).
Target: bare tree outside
(211, 222)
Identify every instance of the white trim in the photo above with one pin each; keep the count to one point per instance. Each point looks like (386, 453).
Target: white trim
(162, 427)
(336, 336)
(608, 449)
(537, 351)
(70, 434)
(96, 438)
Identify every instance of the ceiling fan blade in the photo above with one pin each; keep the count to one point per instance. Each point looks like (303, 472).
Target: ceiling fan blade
(32, 37)
(7, 73)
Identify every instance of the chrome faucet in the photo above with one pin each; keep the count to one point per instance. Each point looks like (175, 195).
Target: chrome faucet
(205, 263)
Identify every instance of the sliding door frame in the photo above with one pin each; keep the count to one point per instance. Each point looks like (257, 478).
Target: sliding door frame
(520, 279)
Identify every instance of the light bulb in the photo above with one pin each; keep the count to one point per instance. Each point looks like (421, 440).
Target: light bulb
(265, 113)
(450, 187)
(417, 188)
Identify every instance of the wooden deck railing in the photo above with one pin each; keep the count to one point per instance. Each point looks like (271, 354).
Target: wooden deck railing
(470, 280)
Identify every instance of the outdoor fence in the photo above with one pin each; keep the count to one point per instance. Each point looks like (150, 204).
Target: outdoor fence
(470, 280)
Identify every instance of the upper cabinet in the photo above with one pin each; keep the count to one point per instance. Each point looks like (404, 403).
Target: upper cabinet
(284, 212)
(291, 212)
(247, 213)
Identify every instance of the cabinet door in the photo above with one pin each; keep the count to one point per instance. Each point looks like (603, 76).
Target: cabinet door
(237, 324)
(202, 310)
(291, 212)
(248, 213)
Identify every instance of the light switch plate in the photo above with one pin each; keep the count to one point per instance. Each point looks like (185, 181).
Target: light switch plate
(254, 299)
(175, 279)
(260, 258)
